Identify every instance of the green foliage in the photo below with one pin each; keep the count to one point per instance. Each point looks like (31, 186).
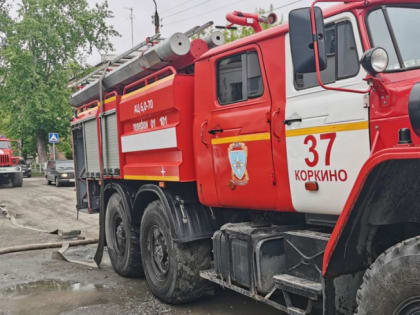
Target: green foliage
(40, 50)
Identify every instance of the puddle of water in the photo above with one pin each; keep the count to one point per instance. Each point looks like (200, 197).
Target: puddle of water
(47, 286)
(52, 297)
(227, 302)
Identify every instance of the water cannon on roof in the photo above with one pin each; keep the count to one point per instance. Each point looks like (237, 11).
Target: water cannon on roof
(250, 19)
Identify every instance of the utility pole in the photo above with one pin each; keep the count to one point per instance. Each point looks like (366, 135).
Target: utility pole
(131, 20)
(156, 19)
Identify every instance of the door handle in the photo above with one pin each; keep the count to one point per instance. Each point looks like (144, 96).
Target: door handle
(203, 140)
(291, 121)
(214, 131)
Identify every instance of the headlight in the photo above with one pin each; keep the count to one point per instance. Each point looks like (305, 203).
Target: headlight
(64, 175)
(375, 60)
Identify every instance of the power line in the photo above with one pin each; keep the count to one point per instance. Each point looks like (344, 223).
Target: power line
(204, 14)
(176, 6)
(227, 5)
(187, 9)
(287, 5)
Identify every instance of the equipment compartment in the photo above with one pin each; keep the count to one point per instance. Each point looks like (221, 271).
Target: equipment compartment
(156, 123)
(221, 254)
(305, 252)
(249, 255)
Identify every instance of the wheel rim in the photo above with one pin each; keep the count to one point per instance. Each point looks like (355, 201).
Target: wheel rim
(158, 252)
(410, 306)
(120, 237)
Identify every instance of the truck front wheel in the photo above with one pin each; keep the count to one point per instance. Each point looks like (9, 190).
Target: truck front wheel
(122, 237)
(17, 179)
(171, 269)
(392, 283)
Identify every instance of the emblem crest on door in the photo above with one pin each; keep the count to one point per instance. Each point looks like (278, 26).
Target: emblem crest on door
(238, 158)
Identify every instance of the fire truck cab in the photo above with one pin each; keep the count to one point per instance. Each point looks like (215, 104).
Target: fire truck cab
(282, 166)
(10, 171)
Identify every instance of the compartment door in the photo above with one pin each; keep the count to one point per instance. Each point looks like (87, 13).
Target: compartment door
(79, 166)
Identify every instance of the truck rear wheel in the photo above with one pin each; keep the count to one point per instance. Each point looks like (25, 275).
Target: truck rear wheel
(122, 237)
(392, 283)
(171, 269)
(17, 179)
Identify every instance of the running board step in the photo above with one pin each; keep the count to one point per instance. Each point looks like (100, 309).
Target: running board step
(299, 286)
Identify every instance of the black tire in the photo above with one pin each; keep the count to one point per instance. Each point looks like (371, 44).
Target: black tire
(122, 237)
(48, 181)
(57, 182)
(392, 283)
(17, 180)
(172, 272)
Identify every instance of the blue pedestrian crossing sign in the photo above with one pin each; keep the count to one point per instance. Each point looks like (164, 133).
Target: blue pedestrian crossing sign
(53, 137)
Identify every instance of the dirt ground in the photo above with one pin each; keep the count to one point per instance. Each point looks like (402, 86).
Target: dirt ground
(37, 282)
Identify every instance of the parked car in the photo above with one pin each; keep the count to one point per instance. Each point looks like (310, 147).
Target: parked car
(26, 168)
(60, 172)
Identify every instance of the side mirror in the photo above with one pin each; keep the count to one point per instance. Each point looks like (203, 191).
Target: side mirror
(302, 42)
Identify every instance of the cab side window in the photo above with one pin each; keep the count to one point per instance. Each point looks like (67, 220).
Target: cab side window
(239, 78)
(342, 57)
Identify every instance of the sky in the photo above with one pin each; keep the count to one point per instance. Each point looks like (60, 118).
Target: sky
(178, 16)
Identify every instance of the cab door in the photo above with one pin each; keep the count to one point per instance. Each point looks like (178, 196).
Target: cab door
(239, 131)
(327, 135)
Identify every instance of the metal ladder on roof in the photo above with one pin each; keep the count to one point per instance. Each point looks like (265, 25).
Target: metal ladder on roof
(127, 56)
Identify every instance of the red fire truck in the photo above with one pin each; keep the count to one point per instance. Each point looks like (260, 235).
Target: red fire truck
(10, 171)
(282, 166)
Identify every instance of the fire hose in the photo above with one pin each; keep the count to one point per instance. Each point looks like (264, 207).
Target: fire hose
(28, 247)
(38, 246)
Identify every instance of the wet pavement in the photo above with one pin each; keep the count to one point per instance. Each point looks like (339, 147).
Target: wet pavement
(37, 283)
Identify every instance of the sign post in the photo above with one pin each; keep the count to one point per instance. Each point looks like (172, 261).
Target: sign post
(53, 138)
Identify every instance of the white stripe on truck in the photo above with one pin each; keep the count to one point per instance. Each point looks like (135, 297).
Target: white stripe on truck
(152, 140)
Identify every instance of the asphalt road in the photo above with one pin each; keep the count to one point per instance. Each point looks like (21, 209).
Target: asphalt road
(36, 282)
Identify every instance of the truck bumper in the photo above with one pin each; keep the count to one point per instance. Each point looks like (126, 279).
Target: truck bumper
(9, 169)
(66, 181)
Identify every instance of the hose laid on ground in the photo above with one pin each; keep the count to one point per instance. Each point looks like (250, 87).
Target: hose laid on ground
(24, 248)
(60, 254)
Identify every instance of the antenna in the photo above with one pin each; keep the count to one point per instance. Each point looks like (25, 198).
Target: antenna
(131, 20)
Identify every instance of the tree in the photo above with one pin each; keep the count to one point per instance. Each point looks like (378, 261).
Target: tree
(40, 50)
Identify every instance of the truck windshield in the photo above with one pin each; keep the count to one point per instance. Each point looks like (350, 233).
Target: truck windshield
(395, 28)
(4, 145)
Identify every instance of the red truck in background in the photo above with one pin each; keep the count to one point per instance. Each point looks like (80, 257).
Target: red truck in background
(10, 171)
(284, 166)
